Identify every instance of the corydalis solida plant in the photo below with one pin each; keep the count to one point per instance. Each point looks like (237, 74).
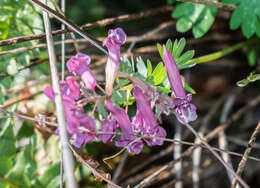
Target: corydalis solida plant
(184, 111)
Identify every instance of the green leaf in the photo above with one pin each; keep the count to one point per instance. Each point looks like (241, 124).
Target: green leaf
(149, 68)
(247, 16)
(188, 88)
(160, 49)
(159, 74)
(125, 66)
(177, 49)
(205, 21)
(194, 16)
(101, 109)
(184, 24)
(254, 76)
(48, 179)
(185, 57)
(7, 147)
(141, 68)
(23, 171)
(169, 45)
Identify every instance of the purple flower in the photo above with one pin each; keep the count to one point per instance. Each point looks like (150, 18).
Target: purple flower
(78, 65)
(125, 124)
(184, 111)
(88, 123)
(109, 125)
(116, 38)
(70, 88)
(75, 117)
(144, 121)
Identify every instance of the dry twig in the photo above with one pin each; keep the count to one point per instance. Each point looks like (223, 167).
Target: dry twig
(243, 161)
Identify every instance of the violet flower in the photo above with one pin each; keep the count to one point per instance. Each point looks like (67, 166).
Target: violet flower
(78, 65)
(145, 119)
(116, 38)
(184, 110)
(76, 118)
(109, 125)
(88, 123)
(125, 124)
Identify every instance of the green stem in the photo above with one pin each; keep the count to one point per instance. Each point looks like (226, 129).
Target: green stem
(222, 53)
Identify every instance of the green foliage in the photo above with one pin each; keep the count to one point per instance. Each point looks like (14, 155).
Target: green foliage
(194, 16)
(7, 147)
(254, 76)
(247, 15)
(176, 49)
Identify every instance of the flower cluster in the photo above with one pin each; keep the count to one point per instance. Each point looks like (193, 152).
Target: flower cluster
(134, 132)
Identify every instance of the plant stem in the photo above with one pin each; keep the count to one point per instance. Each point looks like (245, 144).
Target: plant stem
(222, 53)
(68, 162)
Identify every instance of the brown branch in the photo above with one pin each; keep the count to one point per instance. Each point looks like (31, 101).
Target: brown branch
(243, 161)
(228, 7)
(100, 23)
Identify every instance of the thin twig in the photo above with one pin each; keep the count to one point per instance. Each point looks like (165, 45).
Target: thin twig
(93, 170)
(120, 167)
(228, 7)
(176, 154)
(63, 43)
(243, 161)
(68, 162)
(100, 23)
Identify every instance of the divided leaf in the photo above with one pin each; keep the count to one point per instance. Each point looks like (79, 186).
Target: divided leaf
(194, 16)
(247, 15)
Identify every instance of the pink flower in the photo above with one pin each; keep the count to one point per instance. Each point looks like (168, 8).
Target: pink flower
(109, 125)
(78, 65)
(125, 124)
(75, 117)
(184, 111)
(145, 119)
(116, 38)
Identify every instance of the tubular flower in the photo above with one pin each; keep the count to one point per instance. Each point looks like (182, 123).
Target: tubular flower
(78, 65)
(75, 117)
(184, 110)
(116, 38)
(125, 124)
(145, 119)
